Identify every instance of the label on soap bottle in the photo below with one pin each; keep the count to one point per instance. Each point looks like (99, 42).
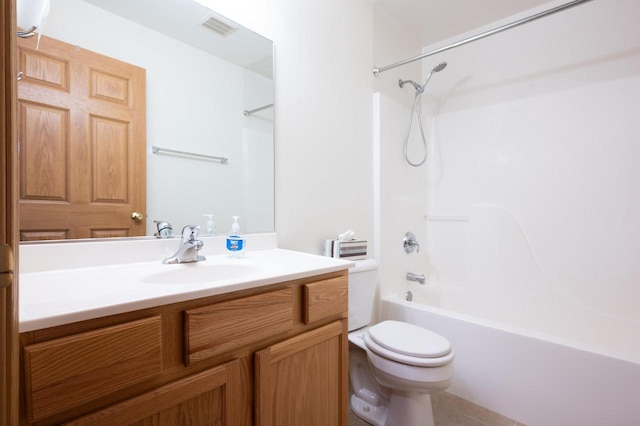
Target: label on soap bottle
(235, 244)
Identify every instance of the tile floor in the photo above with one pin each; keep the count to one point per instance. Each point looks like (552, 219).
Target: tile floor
(450, 410)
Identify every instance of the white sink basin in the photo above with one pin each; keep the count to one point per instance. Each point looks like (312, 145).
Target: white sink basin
(197, 273)
(60, 296)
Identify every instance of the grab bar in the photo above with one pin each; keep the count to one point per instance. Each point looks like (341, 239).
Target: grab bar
(446, 218)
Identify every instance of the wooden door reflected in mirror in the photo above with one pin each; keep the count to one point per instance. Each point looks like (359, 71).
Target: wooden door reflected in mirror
(81, 132)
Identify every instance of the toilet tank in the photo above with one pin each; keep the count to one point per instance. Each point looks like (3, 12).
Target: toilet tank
(363, 280)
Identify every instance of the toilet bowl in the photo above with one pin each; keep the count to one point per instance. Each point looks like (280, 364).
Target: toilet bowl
(393, 365)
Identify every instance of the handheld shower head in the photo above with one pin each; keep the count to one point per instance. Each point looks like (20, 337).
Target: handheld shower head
(420, 87)
(437, 68)
(416, 108)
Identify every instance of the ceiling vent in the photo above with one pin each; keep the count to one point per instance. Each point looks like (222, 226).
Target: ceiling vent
(217, 25)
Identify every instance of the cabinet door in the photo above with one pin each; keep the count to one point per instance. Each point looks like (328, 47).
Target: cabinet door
(207, 398)
(303, 380)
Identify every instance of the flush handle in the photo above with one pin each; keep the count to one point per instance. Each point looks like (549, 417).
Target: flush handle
(6, 265)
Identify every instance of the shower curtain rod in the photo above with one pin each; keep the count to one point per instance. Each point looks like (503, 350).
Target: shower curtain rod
(377, 71)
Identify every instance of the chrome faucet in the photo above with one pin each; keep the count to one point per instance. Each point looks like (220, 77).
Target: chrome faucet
(189, 247)
(164, 229)
(415, 277)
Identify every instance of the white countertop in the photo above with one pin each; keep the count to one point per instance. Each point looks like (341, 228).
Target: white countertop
(51, 297)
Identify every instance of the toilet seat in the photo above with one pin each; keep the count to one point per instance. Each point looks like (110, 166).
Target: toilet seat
(408, 344)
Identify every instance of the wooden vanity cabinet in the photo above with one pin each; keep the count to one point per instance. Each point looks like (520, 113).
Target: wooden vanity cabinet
(295, 380)
(275, 355)
(205, 398)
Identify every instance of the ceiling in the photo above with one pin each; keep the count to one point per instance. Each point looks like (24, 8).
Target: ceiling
(181, 19)
(435, 20)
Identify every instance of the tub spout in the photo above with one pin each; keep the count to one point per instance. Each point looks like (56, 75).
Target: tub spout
(415, 277)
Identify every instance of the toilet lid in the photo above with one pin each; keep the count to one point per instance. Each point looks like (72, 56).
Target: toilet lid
(409, 340)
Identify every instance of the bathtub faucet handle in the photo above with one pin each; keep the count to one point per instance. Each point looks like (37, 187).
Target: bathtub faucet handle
(410, 243)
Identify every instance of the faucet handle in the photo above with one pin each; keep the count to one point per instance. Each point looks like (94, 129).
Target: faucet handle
(410, 243)
(190, 232)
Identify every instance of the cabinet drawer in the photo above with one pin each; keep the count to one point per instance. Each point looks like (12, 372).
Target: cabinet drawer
(66, 372)
(221, 327)
(323, 299)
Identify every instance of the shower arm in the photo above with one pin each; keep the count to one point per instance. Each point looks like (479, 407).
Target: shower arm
(377, 71)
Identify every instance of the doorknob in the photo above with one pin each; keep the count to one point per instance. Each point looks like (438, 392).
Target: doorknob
(137, 216)
(6, 265)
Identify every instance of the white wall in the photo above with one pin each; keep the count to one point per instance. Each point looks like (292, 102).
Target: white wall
(400, 188)
(536, 144)
(200, 111)
(323, 63)
(323, 60)
(258, 204)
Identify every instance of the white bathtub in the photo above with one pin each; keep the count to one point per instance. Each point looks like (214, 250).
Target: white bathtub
(532, 378)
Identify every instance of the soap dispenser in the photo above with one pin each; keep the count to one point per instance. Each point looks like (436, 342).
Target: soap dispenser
(211, 228)
(235, 240)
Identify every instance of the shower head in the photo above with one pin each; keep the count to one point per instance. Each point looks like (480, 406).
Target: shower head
(420, 87)
(437, 68)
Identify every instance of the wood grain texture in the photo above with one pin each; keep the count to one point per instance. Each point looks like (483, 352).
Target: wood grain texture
(43, 235)
(82, 133)
(44, 171)
(69, 371)
(174, 332)
(206, 398)
(323, 299)
(46, 70)
(110, 87)
(222, 327)
(301, 381)
(9, 348)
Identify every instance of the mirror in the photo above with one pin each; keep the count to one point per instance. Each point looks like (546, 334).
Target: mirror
(206, 94)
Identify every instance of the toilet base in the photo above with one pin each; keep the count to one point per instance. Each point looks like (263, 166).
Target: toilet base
(372, 414)
(409, 409)
(405, 408)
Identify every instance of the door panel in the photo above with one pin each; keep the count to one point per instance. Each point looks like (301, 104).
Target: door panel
(43, 168)
(82, 136)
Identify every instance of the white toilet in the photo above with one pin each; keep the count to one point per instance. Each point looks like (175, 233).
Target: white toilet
(393, 365)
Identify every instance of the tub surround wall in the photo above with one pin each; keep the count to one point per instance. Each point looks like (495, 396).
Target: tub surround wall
(531, 214)
(398, 188)
(526, 214)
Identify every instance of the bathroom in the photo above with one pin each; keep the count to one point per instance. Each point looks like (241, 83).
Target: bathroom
(503, 197)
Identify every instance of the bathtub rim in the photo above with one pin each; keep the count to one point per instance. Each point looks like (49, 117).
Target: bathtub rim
(536, 335)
